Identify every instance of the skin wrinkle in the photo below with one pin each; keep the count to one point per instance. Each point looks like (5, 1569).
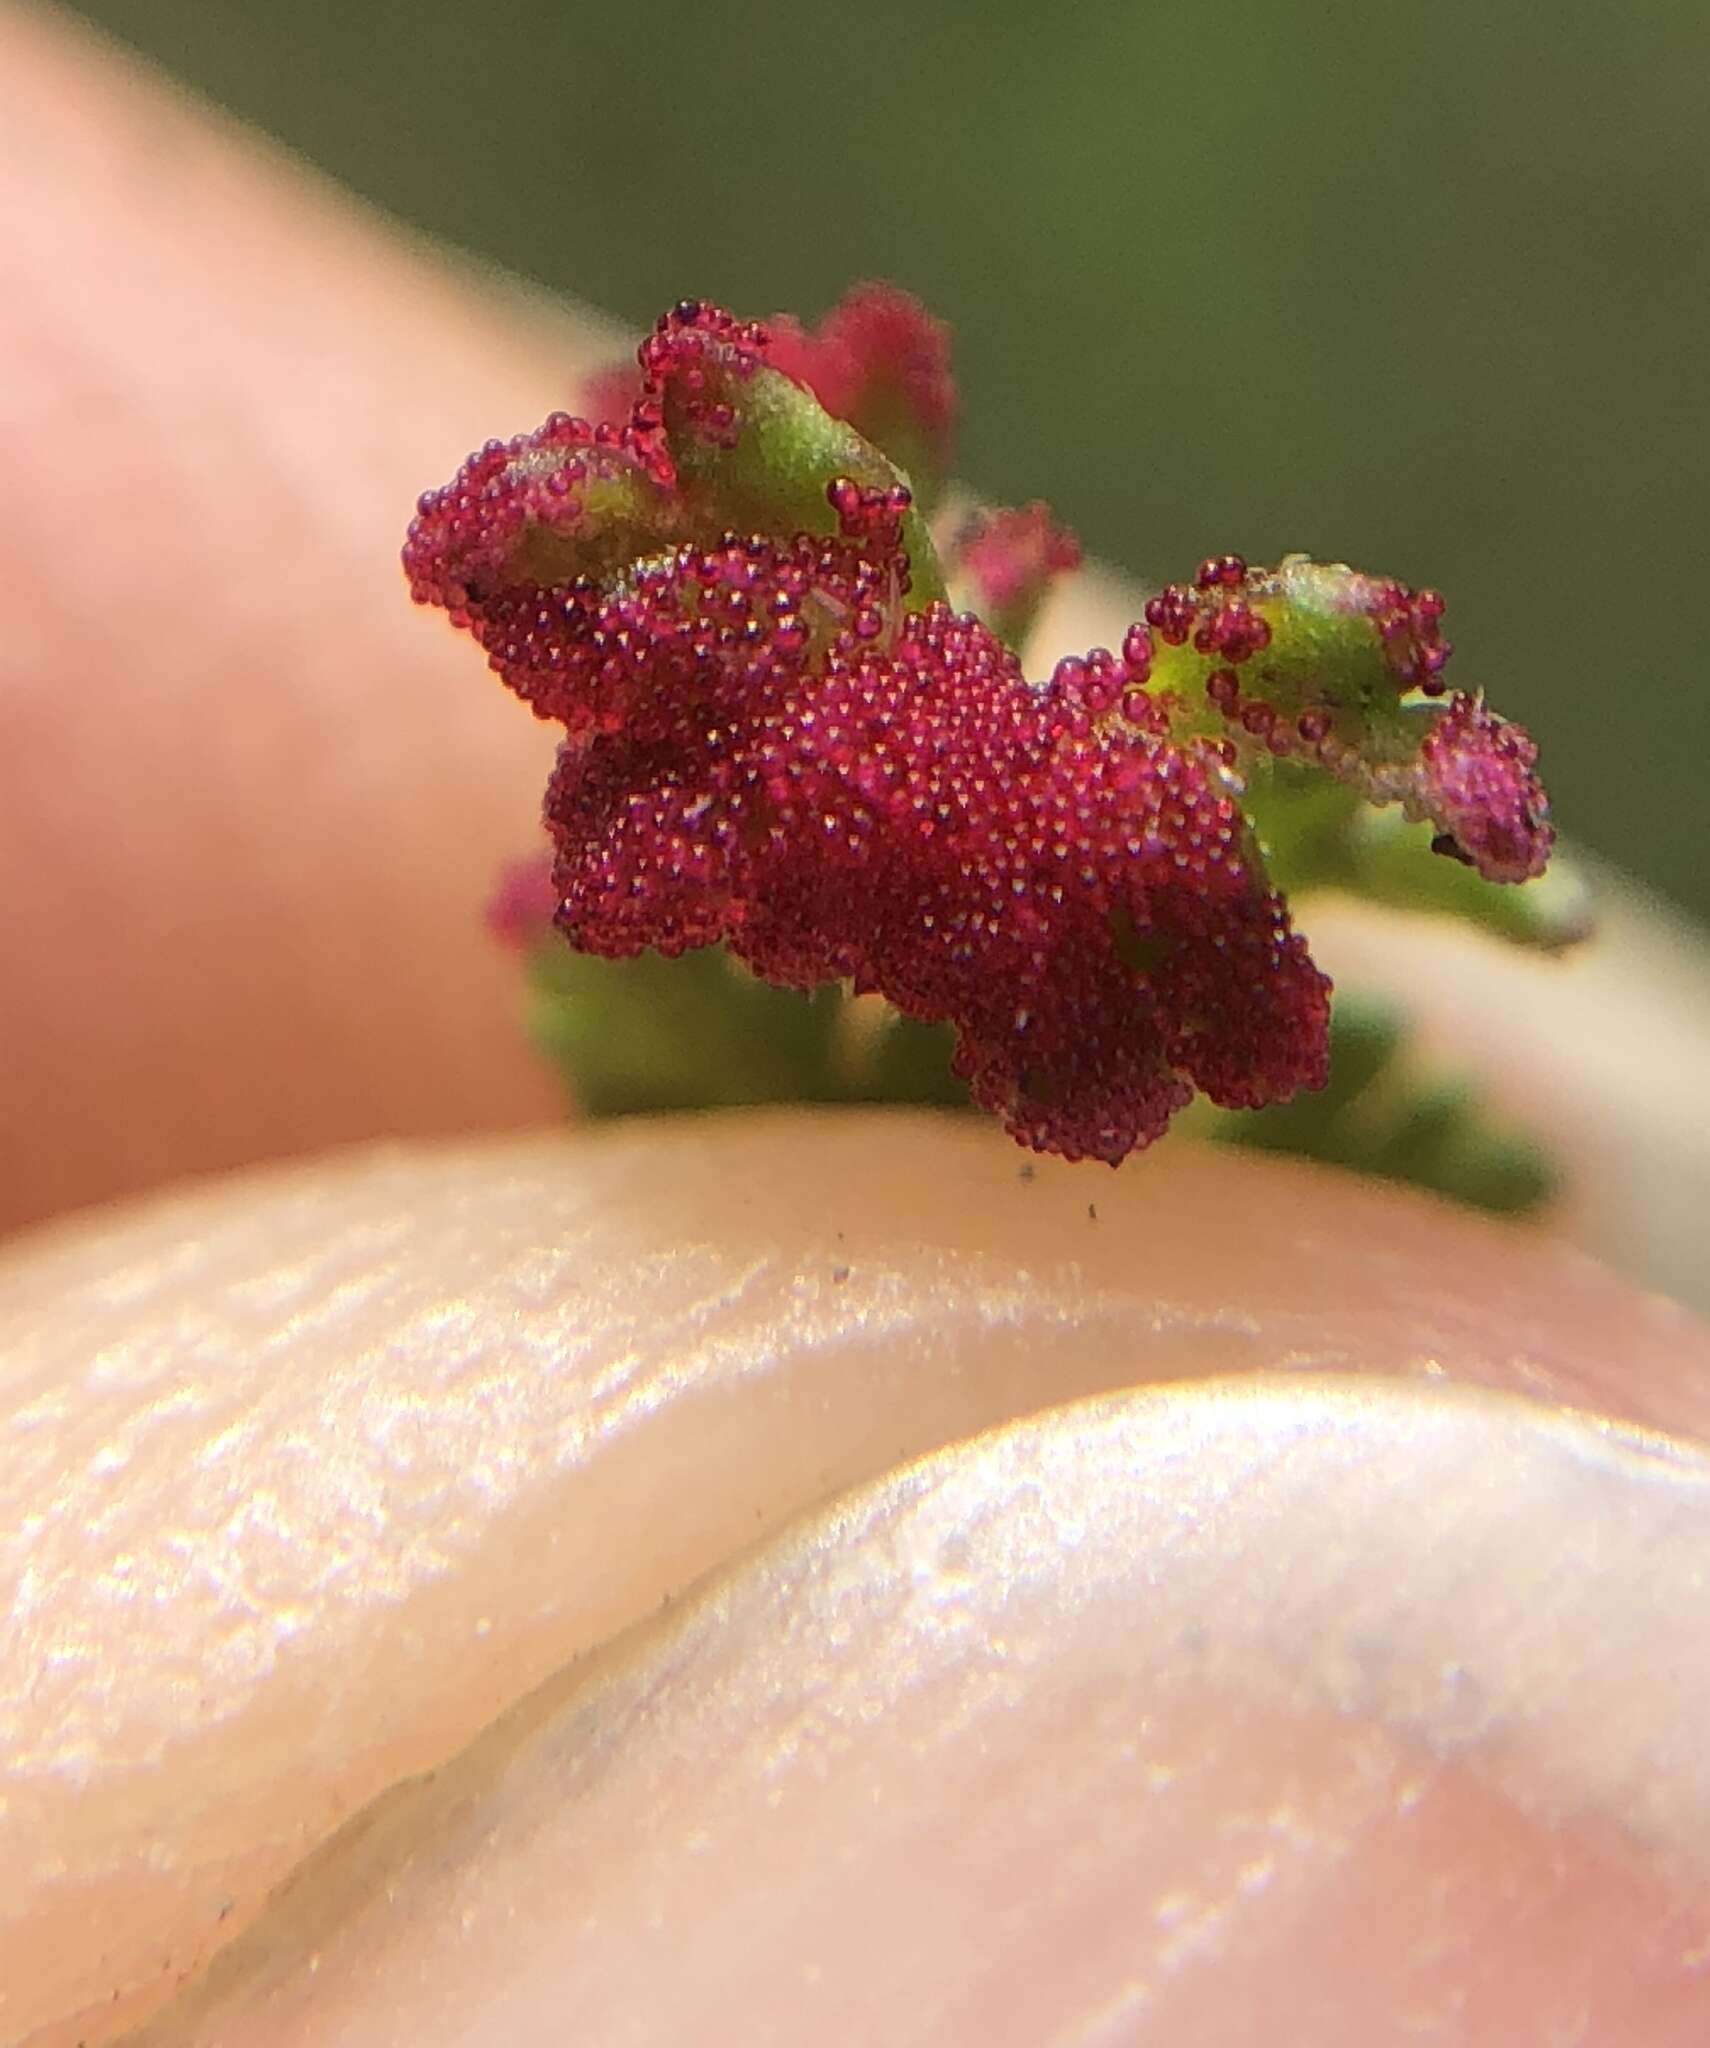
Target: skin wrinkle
(428, 1470)
(1255, 1538)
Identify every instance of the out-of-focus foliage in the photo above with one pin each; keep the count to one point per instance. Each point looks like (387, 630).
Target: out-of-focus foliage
(648, 1036)
(1386, 1114)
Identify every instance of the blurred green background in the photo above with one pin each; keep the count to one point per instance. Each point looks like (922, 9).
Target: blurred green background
(1422, 286)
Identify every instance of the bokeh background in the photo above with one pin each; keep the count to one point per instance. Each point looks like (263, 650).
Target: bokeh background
(1424, 286)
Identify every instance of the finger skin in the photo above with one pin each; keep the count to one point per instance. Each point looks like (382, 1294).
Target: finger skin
(305, 1478)
(1254, 1714)
(250, 801)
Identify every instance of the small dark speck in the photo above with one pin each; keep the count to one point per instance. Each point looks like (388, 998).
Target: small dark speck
(1028, 1170)
(838, 1275)
(1092, 1212)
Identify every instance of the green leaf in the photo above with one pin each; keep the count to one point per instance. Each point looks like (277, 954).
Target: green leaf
(649, 1035)
(1382, 1114)
(909, 1062)
(1319, 834)
(772, 475)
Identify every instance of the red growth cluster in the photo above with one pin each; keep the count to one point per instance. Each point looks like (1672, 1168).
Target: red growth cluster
(523, 903)
(1013, 557)
(878, 356)
(770, 746)
(1479, 786)
(1214, 612)
(1469, 772)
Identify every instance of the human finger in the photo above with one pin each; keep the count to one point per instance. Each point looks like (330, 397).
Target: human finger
(250, 802)
(309, 1477)
(1248, 1713)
